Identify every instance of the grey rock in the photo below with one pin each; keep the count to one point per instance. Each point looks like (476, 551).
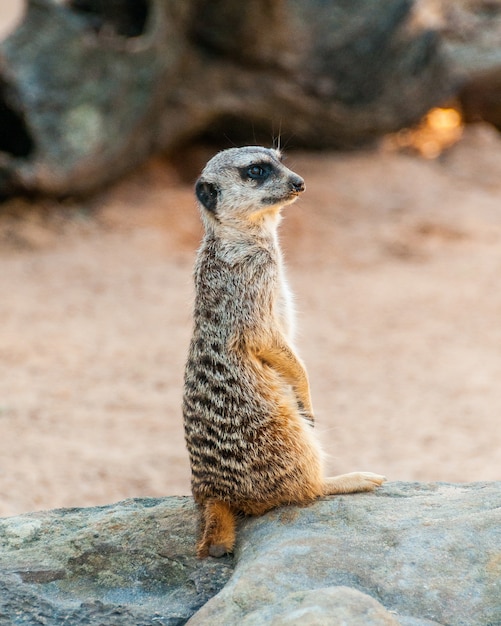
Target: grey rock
(89, 89)
(317, 607)
(410, 554)
(425, 551)
(77, 101)
(126, 564)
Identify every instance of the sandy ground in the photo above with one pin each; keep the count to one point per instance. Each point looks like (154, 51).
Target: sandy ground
(395, 261)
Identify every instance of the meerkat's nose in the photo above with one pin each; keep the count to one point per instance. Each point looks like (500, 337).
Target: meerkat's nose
(298, 184)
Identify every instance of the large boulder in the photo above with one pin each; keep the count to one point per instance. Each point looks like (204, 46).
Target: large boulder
(89, 88)
(410, 554)
(81, 91)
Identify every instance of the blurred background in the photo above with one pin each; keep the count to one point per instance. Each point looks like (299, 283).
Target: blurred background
(393, 252)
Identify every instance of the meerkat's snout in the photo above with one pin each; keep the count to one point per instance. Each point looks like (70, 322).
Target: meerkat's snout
(298, 185)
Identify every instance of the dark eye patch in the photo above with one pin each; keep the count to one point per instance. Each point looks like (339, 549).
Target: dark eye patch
(256, 171)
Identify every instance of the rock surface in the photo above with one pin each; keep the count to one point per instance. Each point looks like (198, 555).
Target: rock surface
(130, 563)
(411, 554)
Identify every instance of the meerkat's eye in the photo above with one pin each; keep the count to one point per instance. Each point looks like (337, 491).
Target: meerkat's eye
(259, 171)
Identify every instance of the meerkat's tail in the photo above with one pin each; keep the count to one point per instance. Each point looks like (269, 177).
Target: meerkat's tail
(352, 483)
(218, 529)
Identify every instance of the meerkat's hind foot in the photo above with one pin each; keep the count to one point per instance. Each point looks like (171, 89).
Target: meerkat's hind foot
(218, 535)
(353, 482)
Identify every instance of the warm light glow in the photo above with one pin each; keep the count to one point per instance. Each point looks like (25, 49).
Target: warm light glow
(443, 119)
(439, 129)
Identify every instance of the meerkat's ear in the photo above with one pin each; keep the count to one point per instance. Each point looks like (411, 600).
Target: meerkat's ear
(207, 194)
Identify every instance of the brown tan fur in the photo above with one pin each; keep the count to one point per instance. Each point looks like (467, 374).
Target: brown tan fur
(247, 408)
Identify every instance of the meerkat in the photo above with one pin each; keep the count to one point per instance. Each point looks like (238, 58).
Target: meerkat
(247, 409)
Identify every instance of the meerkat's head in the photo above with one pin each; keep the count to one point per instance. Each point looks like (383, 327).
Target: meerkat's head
(243, 186)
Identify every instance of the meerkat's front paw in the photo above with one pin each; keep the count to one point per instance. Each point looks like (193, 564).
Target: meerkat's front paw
(352, 483)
